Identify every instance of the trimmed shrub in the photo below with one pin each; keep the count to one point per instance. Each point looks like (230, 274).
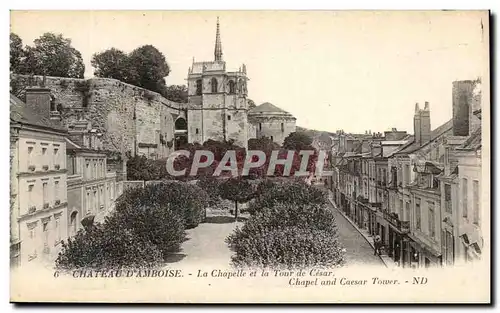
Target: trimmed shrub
(107, 246)
(154, 223)
(289, 236)
(211, 186)
(187, 200)
(271, 192)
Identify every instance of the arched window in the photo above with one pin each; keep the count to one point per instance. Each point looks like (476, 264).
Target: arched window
(198, 87)
(232, 87)
(214, 85)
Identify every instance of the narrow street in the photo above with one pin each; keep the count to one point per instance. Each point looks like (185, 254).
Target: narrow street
(359, 252)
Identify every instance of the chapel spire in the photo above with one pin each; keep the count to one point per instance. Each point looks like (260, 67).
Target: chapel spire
(218, 45)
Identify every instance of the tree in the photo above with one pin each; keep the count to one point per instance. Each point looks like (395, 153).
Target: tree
(148, 69)
(112, 63)
(251, 104)
(238, 190)
(297, 141)
(53, 55)
(16, 52)
(177, 93)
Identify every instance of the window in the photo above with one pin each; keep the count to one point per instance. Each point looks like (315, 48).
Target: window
(229, 117)
(418, 217)
(432, 228)
(401, 208)
(30, 196)
(73, 223)
(44, 151)
(30, 156)
(56, 156)
(45, 228)
(232, 88)
(475, 203)
(87, 204)
(45, 194)
(198, 87)
(407, 174)
(260, 126)
(214, 85)
(272, 139)
(57, 226)
(197, 131)
(56, 190)
(33, 242)
(95, 201)
(282, 127)
(447, 198)
(464, 197)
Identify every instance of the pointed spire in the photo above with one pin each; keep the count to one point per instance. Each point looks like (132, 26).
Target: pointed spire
(417, 108)
(218, 44)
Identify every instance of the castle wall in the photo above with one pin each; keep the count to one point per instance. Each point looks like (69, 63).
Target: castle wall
(126, 115)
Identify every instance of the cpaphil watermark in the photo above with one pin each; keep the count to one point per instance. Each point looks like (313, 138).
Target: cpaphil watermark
(254, 159)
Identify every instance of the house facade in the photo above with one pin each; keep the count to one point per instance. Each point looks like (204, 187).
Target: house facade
(38, 179)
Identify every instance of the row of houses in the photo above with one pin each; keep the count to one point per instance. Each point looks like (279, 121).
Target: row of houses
(420, 193)
(59, 178)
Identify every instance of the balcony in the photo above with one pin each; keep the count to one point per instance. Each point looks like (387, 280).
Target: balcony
(45, 167)
(32, 209)
(362, 199)
(57, 202)
(46, 205)
(32, 168)
(402, 226)
(57, 166)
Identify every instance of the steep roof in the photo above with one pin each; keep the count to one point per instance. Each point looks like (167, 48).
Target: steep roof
(436, 133)
(20, 112)
(266, 107)
(473, 143)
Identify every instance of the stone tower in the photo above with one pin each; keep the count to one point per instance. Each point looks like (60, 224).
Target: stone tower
(217, 100)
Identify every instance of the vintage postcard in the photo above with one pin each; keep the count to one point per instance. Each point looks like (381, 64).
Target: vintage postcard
(250, 156)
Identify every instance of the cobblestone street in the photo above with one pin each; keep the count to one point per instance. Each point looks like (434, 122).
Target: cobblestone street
(359, 252)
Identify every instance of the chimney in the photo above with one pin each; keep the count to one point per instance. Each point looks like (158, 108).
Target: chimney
(425, 124)
(462, 108)
(416, 124)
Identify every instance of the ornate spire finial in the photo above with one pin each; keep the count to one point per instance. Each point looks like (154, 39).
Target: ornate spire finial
(218, 44)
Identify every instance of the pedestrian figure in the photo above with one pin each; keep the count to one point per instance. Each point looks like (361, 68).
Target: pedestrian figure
(377, 243)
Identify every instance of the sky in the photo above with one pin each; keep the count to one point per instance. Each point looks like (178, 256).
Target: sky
(350, 70)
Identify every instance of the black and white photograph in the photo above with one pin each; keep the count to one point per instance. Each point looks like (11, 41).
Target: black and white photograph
(250, 156)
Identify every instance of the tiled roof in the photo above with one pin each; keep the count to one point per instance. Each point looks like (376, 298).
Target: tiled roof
(472, 143)
(436, 133)
(266, 107)
(20, 112)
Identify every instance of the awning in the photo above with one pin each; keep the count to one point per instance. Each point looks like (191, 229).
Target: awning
(419, 244)
(472, 238)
